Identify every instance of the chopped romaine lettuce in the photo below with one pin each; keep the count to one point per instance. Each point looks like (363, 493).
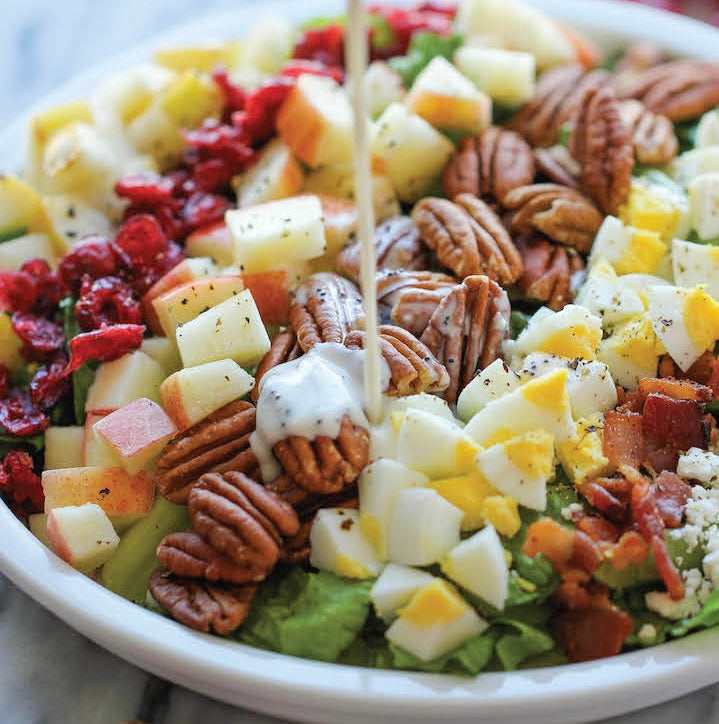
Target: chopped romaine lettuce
(422, 49)
(526, 641)
(707, 617)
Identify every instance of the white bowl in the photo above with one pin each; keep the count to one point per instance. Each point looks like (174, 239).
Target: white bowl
(317, 692)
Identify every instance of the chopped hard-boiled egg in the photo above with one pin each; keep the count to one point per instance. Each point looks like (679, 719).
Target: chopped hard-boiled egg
(435, 621)
(479, 565)
(655, 208)
(703, 207)
(696, 264)
(707, 133)
(492, 382)
(695, 163)
(583, 458)
(686, 321)
(468, 493)
(340, 547)
(394, 588)
(520, 467)
(380, 484)
(502, 511)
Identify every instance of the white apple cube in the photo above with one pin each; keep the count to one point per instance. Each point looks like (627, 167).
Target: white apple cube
(287, 230)
(494, 381)
(339, 546)
(73, 218)
(232, 329)
(424, 527)
(123, 380)
(383, 86)
(95, 454)
(14, 253)
(395, 587)
(37, 523)
(214, 241)
(409, 151)
(315, 121)
(479, 565)
(506, 76)
(191, 394)
(63, 447)
(703, 208)
(163, 351)
(447, 100)
(379, 485)
(695, 264)
(82, 535)
(435, 621)
(136, 433)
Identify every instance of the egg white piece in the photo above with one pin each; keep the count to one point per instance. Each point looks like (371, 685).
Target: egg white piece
(696, 264)
(605, 294)
(707, 133)
(703, 207)
(395, 587)
(695, 163)
(493, 382)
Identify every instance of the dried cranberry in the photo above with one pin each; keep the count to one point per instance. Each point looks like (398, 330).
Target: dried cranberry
(20, 416)
(50, 383)
(41, 337)
(222, 141)
(106, 301)
(405, 22)
(141, 279)
(259, 119)
(48, 289)
(210, 176)
(17, 291)
(165, 214)
(145, 188)
(94, 257)
(106, 343)
(20, 485)
(296, 68)
(323, 44)
(233, 96)
(203, 209)
(141, 237)
(4, 381)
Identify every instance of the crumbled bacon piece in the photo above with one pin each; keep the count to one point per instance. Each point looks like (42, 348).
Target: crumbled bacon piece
(624, 438)
(671, 494)
(669, 422)
(677, 389)
(19, 484)
(604, 501)
(630, 549)
(592, 633)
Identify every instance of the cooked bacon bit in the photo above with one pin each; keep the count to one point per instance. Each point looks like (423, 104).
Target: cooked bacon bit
(585, 554)
(667, 570)
(701, 371)
(665, 458)
(592, 633)
(676, 389)
(624, 438)
(604, 501)
(555, 542)
(630, 549)
(667, 422)
(671, 494)
(597, 528)
(629, 400)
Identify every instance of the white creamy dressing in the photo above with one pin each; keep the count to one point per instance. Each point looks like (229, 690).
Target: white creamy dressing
(309, 397)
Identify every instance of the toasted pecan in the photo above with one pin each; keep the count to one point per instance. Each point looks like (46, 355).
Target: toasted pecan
(557, 166)
(324, 308)
(201, 605)
(218, 443)
(412, 367)
(283, 348)
(653, 135)
(489, 165)
(563, 214)
(467, 329)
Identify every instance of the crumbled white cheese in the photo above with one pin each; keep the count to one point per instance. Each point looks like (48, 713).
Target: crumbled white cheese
(701, 465)
(648, 632)
(710, 564)
(571, 510)
(696, 592)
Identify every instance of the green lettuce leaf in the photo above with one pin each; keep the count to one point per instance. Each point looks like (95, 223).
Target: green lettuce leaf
(469, 659)
(314, 615)
(527, 641)
(422, 49)
(531, 580)
(707, 617)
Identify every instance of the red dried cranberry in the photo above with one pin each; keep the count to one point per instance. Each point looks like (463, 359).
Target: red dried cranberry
(165, 214)
(106, 343)
(145, 188)
(48, 289)
(141, 279)
(141, 237)
(323, 44)
(20, 485)
(259, 119)
(19, 415)
(222, 141)
(210, 176)
(203, 209)
(17, 291)
(50, 383)
(405, 22)
(296, 68)
(94, 257)
(41, 337)
(106, 301)
(4, 381)
(233, 96)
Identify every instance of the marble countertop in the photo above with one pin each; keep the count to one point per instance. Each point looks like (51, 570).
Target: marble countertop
(48, 672)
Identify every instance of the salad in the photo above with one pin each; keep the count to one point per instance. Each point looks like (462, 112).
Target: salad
(182, 401)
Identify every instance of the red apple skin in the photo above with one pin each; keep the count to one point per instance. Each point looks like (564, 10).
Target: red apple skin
(271, 294)
(172, 401)
(58, 541)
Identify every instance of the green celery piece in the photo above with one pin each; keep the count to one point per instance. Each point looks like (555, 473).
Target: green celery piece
(12, 233)
(129, 569)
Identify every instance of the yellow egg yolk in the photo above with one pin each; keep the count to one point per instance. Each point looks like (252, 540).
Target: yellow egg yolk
(438, 602)
(701, 317)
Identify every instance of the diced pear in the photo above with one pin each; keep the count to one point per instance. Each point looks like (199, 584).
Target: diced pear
(479, 565)
(73, 218)
(14, 253)
(22, 211)
(37, 523)
(203, 58)
(433, 446)
(703, 211)
(153, 132)
(694, 264)
(164, 352)
(435, 621)
(491, 383)
(232, 329)
(10, 345)
(395, 587)
(424, 527)
(383, 86)
(191, 98)
(379, 485)
(506, 76)
(339, 546)
(63, 447)
(409, 151)
(95, 454)
(213, 241)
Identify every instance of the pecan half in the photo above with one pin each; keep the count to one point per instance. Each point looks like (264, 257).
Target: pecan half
(679, 90)
(548, 270)
(201, 605)
(467, 329)
(558, 94)
(557, 166)
(638, 57)
(412, 367)
(218, 443)
(324, 308)
(653, 135)
(397, 244)
(408, 299)
(325, 465)
(563, 214)
(492, 164)
(468, 237)
(602, 145)
(241, 519)
(283, 348)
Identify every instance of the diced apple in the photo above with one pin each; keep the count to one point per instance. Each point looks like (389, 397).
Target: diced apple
(316, 121)
(479, 565)
(22, 210)
(136, 433)
(37, 523)
(191, 98)
(73, 218)
(164, 351)
(449, 101)
(395, 587)
(269, 44)
(182, 304)
(275, 175)
(82, 535)
(271, 293)
(95, 453)
(409, 151)
(10, 344)
(491, 383)
(506, 76)
(64, 447)
(113, 489)
(339, 546)
(153, 132)
(286, 230)
(191, 394)
(123, 380)
(380, 484)
(204, 58)
(14, 253)
(383, 86)
(214, 241)
(424, 527)
(340, 220)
